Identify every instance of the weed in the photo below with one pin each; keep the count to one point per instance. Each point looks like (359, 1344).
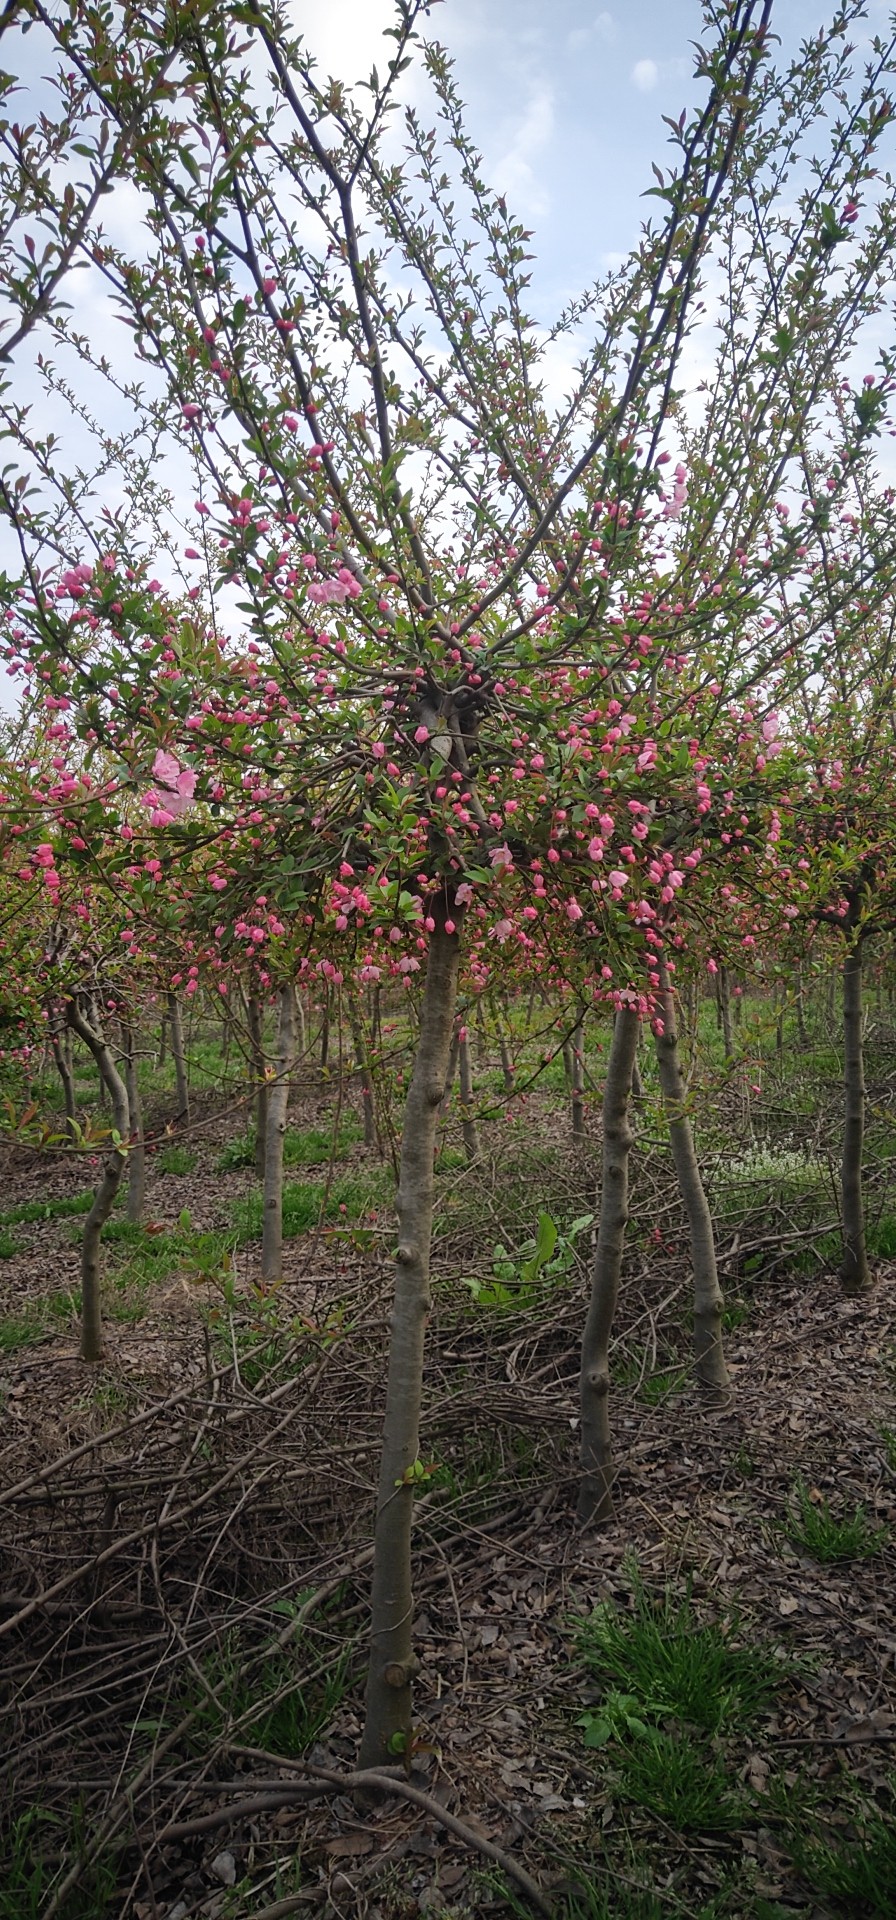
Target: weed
(315, 1147)
(859, 1873)
(176, 1160)
(19, 1330)
(39, 1848)
(684, 1783)
(818, 1531)
(9, 1245)
(675, 1668)
(31, 1210)
(275, 1709)
(549, 1256)
(888, 1438)
(304, 1201)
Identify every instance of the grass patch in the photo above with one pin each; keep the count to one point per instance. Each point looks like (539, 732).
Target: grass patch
(39, 1848)
(259, 1688)
(674, 1667)
(859, 1873)
(313, 1147)
(19, 1330)
(352, 1195)
(9, 1245)
(816, 1530)
(176, 1160)
(31, 1210)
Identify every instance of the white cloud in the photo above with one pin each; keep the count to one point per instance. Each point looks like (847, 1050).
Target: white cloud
(346, 36)
(645, 74)
(603, 28)
(513, 172)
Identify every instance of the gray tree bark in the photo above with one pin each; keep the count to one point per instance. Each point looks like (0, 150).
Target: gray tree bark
(275, 1137)
(387, 1722)
(709, 1355)
(179, 1057)
(255, 1012)
(595, 1504)
(137, 1152)
(84, 1016)
(856, 1271)
(468, 1125)
(577, 1089)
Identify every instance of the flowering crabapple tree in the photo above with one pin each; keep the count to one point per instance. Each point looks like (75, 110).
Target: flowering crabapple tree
(431, 556)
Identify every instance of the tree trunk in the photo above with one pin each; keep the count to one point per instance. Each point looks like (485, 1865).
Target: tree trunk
(85, 1019)
(387, 1721)
(325, 1032)
(362, 1061)
(275, 1137)
(179, 1058)
(255, 1013)
(468, 1125)
(595, 1503)
(724, 992)
(507, 1067)
(709, 1356)
(450, 1071)
(137, 1153)
(62, 1057)
(577, 1090)
(163, 1031)
(856, 1271)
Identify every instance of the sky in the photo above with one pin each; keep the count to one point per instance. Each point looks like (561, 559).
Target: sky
(566, 102)
(565, 99)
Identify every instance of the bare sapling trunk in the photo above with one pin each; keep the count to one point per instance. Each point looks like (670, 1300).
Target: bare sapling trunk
(84, 1017)
(163, 1031)
(137, 1149)
(387, 1724)
(595, 1504)
(856, 1270)
(179, 1057)
(724, 992)
(450, 1071)
(325, 1032)
(577, 1089)
(709, 1355)
(507, 1067)
(255, 1013)
(362, 1062)
(468, 1125)
(275, 1140)
(61, 1045)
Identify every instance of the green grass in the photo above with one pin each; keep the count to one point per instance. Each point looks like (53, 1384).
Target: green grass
(19, 1330)
(686, 1785)
(9, 1245)
(858, 1873)
(827, 1537)
(30, 1210)
(38, 1849)
(351, 1195)
(175, 1160)
(259, 1687)
(314, 1147)
(675, 1667)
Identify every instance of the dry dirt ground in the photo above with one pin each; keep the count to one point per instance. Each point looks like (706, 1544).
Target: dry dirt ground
(185, 1532)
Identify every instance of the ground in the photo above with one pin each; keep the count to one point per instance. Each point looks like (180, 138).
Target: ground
(691, 1712)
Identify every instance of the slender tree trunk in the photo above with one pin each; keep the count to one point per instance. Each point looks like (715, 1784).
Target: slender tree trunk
(362, 1061)
(163, 1032)
(179, 1057)
(507, 1067)
(468, 1125)
(392, 1662)
(85, 1018)
(450, 1071)
(255, 1013)
(275, 1137)
(856, 1271)
(325, 1031)
(724, 989)
(577, 1090)
(709, 1356)
(62, 1057)
(137, 1153)
(595, 1503)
